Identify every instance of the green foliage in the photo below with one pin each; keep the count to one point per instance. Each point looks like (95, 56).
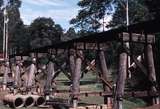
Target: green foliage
(15, 3)
(90, 14)
(44, 31)
(138, 12)
(20, 37)
(153, 6)
(92, 11)
(132, 103)
(41, 27)
(70, 34)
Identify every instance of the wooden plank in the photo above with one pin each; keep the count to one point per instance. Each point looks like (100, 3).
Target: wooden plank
(104, 46)
(51, 50)
(90, 46)
(141, 94)
(79, 45)
(106, 83)
(138, 38)
(98, 106)
(136, 94)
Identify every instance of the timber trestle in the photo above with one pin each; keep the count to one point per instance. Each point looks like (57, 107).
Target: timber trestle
(113, 92)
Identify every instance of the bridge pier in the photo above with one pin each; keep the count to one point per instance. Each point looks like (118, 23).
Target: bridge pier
(76, 78)
(151, 72)
(122, 73)
(104, 72)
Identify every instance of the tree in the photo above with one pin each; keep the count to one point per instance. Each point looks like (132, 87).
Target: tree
(153, 6)
(92, 11)
(70, 34)
(44, 31)
(138, 12)
(20, 38)
(58, 32)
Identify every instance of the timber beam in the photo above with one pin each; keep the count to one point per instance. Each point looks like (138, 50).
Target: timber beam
(136, 94)
(136, 38)
(90, 46)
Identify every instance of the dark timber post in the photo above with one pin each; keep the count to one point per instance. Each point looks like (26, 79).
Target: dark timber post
(76, 78)
(31, 74)
(104, 71)
(122, 72)
(17, 74)
(151, 71)
(6, 71)
(50, 74)
(72, 61)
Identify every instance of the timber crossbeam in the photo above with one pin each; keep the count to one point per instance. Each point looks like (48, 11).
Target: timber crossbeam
(136, 38)
(136, 94)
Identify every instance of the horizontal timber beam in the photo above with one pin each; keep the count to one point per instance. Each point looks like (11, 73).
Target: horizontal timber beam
(90, 46)
(136, 38)
(136, 94)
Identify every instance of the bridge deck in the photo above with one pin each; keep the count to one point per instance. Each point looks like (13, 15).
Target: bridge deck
(147, 27)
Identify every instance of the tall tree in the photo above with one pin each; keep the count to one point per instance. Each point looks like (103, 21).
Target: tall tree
(153, 6)
(44, 31)
(137, 10)
(70, 34)
(93, 11)
(90, 14)
(20, 37)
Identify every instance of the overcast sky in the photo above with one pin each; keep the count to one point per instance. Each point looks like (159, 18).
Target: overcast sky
(61, 11)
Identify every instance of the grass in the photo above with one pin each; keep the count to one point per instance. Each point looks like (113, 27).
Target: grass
(133, 103)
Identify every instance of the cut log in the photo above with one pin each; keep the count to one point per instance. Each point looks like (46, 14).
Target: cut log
(120, 81)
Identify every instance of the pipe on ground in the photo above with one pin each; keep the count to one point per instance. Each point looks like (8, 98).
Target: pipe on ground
(28, 101)
(14, 101)
(39, 100)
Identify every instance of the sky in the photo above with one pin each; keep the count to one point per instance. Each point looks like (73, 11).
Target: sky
(61, 11)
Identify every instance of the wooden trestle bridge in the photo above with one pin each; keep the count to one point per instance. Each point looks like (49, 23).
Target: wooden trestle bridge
(143, 33)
